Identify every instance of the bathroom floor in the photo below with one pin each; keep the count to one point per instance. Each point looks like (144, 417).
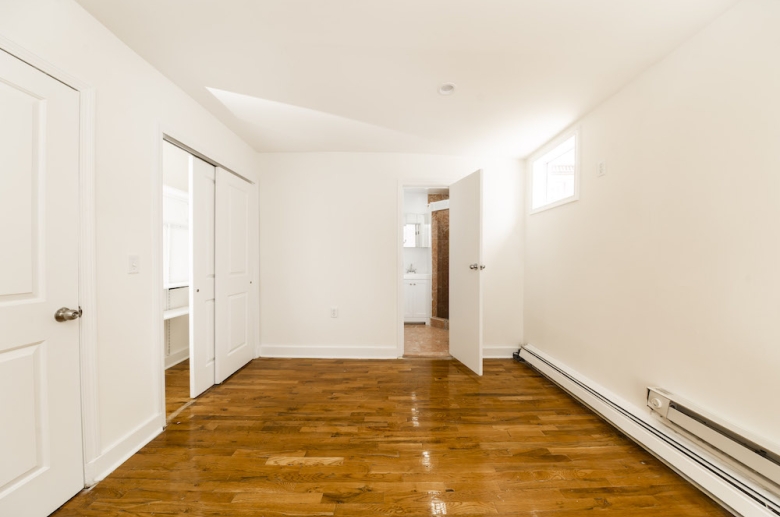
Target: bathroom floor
(426, 341)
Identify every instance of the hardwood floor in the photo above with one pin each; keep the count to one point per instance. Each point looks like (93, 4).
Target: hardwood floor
(404, 437)
(177, 386)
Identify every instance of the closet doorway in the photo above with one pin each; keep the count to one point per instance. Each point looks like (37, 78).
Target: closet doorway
(176, 274)
(209, 251)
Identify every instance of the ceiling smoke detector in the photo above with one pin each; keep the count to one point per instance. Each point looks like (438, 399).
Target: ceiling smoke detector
(447, 89)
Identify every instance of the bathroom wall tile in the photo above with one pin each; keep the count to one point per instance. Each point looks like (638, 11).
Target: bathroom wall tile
(440, 253)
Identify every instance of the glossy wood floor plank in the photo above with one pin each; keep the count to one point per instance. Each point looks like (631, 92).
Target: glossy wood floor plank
(177, 386)
(408, 437)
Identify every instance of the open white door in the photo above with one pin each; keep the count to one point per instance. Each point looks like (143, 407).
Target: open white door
(235, 223)
(41, 462)
(466, 271)
(203, 178)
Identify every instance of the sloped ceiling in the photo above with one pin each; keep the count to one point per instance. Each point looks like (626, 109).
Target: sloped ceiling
(363, 75)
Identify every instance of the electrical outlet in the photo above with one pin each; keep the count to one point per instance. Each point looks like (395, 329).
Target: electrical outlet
(133, 264)
(602, 169)
(334, 312)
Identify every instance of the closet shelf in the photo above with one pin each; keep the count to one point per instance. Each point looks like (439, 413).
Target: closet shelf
(175, 313)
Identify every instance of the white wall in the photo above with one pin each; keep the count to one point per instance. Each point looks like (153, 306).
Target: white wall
(176, 167)
(308, 266)
(132, 99)
(420, 258)
(502, 248)
(665, 273)
(416, 202)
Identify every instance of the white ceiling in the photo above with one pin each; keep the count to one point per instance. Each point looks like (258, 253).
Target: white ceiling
(363, 75)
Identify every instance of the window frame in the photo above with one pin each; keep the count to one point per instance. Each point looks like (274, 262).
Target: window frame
(538, 154)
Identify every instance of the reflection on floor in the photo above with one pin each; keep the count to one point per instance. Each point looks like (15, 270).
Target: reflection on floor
(426, 341)
(177, 386)
(349, 438)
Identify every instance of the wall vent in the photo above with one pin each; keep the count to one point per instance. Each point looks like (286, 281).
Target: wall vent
(728, 439)
(738, 488)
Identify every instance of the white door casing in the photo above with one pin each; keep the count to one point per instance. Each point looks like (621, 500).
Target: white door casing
(41, 434)
(465, 279)
(202, 273)
(236, 209)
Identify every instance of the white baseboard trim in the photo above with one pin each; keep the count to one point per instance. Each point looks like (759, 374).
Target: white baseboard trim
(122, 449)
(329, 352)
(499, 351)
(723, 483)
(361, 352)
(177, 357)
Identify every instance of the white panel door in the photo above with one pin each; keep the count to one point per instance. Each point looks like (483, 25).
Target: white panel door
(234, 267)
(202, 272)
(41, 464)
(466, 271)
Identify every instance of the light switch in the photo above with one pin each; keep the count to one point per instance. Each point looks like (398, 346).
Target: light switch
(602, 169)
(133, 264)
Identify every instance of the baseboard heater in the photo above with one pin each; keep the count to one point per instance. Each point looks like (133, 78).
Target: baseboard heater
(735, 443)
(739, 489)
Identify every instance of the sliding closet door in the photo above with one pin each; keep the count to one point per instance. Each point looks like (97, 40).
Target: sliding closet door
(235, 315)
(202, 271)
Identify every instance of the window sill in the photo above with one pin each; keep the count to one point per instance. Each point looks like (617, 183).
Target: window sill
(556, 204)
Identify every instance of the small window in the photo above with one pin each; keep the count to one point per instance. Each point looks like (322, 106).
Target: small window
(555, 175)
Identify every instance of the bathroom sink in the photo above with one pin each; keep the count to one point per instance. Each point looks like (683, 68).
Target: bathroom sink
(417, 276)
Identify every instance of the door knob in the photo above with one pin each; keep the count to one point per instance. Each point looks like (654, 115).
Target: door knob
(65, 314)
(474, 266)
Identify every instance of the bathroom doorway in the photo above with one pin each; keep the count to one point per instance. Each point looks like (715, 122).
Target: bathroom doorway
(426, 272)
